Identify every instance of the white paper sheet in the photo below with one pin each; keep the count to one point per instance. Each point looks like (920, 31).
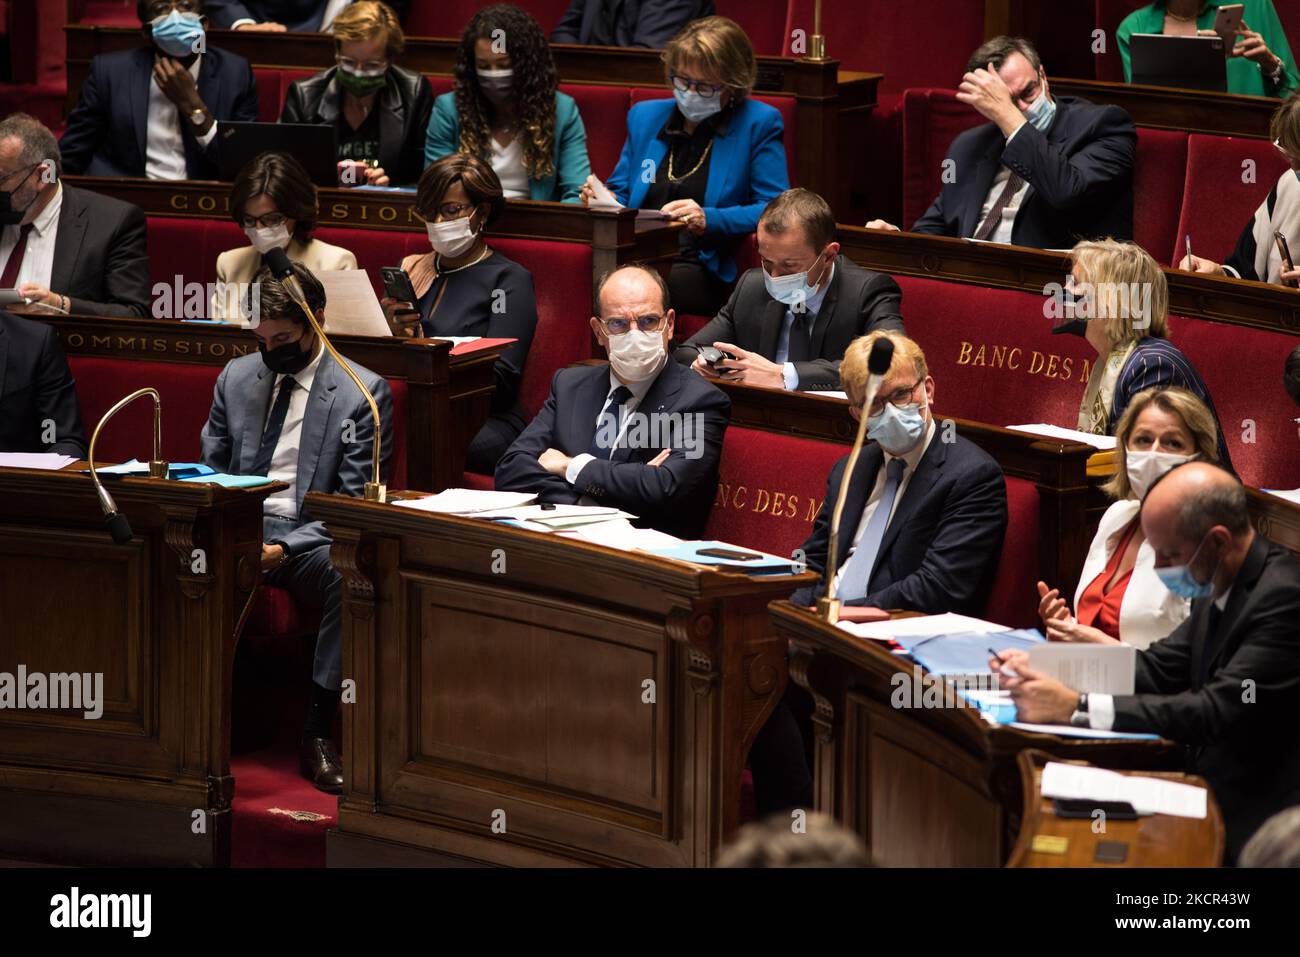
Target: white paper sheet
(1147, 795)
(1103, 442)
(947, 624)
(46, 461)
(1292, 495)
(620, 534)
(1068, 731)
(606, 200)
(1089, 668)
(467, 501)
(351, 306)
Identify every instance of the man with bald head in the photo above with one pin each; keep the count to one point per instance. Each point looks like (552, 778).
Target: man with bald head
(1226, 682)
(642, 434)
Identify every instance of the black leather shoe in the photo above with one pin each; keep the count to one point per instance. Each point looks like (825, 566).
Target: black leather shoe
(321, 765)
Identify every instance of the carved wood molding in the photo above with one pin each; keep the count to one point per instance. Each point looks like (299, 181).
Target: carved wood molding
(802, 656)
(354, 560)
(184, 535)
(696, 631)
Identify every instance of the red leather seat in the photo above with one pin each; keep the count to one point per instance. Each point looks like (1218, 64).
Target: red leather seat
(604, 116)
(1217, 204)
(932, 119)
(1013, 599)
(1159, 175)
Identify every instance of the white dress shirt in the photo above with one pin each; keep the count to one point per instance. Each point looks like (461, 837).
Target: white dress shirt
(910, 461)
(638, 390)
(1101, 707)
(508, 164)
(1002, 234)
(812, 305)
(38, 260)
(164, 144)
(284, 460)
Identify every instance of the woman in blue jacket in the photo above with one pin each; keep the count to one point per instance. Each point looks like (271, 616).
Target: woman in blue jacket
(505, 109)
(710, 157)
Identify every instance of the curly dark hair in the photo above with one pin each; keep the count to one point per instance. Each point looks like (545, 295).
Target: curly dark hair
(535, 83)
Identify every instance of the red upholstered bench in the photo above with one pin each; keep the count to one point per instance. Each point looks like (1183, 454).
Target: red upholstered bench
(932, 119)
(604, 116)
(1159, 173)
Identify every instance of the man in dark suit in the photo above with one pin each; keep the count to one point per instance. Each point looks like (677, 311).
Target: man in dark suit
(155, 111)
(273, 16)
(789, 321)
(65, 249)
(926, 510)
(642, 434)
(38, 398)
(1044, 171)
(292, 414)
(627, 23)
(1226, 682)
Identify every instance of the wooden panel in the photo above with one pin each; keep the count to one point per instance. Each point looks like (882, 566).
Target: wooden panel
(1169, 108)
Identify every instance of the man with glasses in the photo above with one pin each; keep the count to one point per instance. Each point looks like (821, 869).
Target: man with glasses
(64, 249)
(789, 320)
(643, 435)
(1044, 171)
(154, 111)
(926, 510)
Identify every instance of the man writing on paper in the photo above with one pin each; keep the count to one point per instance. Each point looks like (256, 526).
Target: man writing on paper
(290, 413)
(643, 434)
(1226, 682)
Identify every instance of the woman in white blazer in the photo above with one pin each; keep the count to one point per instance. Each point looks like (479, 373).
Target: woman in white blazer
(274, 201)
(1120, 598)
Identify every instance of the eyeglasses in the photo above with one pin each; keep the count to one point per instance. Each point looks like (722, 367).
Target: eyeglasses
(160, 8)
(1290, 157)
(25, 170)
(446, 211)
(898, 397)
(269, 221)
(618, 326)
(706, 90)
(361, 66)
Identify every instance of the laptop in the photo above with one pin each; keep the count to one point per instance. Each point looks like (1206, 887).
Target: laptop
(313, 145)
(1190, 63)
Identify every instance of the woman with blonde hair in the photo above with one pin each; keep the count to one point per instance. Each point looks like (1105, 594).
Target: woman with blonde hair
(1119, 597)
(1121, 295)
(379, 109)
(710, 158)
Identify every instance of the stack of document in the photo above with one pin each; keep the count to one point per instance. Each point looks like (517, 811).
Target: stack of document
(1103, 442)
(753, 562)
(1088, 668)
(923, 625)
(966, 653)
(553, 518)
(1147, 795)
(621, 534)
(467, 501)
(175, 470)
(46, 461)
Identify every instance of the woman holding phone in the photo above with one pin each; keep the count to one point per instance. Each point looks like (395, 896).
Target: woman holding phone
(463, 287)
(1260, 63)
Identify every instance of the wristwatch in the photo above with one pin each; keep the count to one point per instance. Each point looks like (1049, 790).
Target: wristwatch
(1080, 717)
(199, 117)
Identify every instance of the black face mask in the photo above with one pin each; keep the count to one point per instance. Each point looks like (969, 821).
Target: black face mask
(8, 215)
(288, 359)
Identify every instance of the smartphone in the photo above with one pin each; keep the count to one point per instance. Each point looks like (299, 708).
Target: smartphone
(1226, 24)
(12, 297)
(1284, 251)
(729, 553)
(713, 356)
(1084, 809)
(397, 284)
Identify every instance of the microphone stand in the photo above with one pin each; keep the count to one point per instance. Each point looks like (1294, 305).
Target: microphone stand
(158, 468)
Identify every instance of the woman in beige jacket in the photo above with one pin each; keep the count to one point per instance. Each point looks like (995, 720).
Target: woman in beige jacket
(274, 202)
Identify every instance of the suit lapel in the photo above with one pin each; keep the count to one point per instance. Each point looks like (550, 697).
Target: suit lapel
(769, 333)
(822, 320)
(981, 181)
(1234, 612)
(256, 403)
(927, 472)
(860, 485)
(140, 85)
(67, 243)
(315, 423)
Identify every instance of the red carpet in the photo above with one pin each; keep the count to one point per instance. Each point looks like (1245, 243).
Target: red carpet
(269, 795)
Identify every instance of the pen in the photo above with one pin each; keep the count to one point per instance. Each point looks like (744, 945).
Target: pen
(1002, 661)
(1191, 263)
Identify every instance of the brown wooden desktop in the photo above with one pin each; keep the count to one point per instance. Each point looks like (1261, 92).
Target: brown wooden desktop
(503, 680)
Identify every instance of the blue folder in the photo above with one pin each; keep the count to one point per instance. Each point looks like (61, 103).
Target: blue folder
(966, 653)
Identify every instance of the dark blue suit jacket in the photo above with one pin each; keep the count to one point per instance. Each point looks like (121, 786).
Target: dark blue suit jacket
(1080, 174)
(942, 545)
(299, 16)
(107, 130)
(36, 386)
(640, 23)
(675, 497)
(746, 171)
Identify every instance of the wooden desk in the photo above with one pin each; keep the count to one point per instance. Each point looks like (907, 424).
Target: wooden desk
(1158, 840)
(1171, 108)
(517, 697)
(441, 388)
(925, 787)
(161, 628)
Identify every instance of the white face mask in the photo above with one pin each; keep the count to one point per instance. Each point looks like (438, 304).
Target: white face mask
(1145, 467)
(496, 85)
(453, 237)
(635, 355)
(266, 239)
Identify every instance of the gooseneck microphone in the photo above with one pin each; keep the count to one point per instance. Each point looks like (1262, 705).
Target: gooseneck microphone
(878, 362)
(278, 262)
(117, 523)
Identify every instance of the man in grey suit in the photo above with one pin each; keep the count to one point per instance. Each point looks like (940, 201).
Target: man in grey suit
(292, 414)
(788, 322)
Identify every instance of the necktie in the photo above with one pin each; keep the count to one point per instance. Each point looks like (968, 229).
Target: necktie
(1211, 640)
(995, 214)
(274, 425)
(10, 276)
(800, 345)
(607, 426)
(857, 573)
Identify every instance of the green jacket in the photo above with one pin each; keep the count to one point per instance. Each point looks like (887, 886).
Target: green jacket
(572, 167)
(1243, 76)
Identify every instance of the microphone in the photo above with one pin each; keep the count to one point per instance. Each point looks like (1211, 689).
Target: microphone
(277, 260)
(878, 362)
(118, 525)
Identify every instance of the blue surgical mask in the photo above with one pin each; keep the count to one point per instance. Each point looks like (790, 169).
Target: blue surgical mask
(697, 108)
(1041, 112)
(1179, 579)
(897, 430)
(179, 34)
